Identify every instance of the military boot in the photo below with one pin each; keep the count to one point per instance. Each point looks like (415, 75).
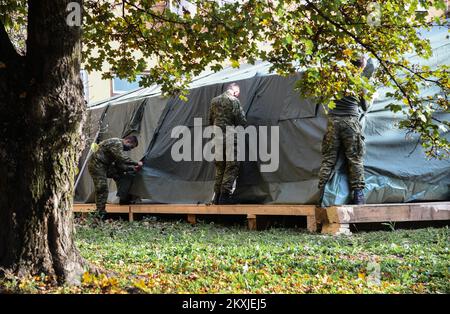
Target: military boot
(358, 197)
(321, 194)
(226, 199)
(102, 213)
(216, 199)
(125, 200)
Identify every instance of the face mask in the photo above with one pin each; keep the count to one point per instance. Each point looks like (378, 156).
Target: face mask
(126, 148)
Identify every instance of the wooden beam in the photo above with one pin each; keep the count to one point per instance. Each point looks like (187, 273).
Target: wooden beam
(336, 229)
(130, 216)
(110, 208)
(311, 223)
(83, 208)
(115, 208)
(191, 219)
(290, 210)
(321, 215)
(258, 209)
(389, 212)
(251, 221)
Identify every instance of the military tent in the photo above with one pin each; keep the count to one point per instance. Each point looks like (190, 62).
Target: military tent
(396, 168)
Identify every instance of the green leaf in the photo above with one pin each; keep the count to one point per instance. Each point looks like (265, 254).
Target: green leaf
(394, 107)
(309, 45)
(288, 39)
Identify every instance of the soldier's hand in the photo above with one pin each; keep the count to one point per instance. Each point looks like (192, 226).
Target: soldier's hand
(140, 164)
(138, 167)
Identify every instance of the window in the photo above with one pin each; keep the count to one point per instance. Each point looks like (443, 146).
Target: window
(120, 86)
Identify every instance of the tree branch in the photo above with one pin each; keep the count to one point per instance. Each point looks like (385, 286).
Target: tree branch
(417, 74)
(136, 29)
(156, 16)
(382, 62)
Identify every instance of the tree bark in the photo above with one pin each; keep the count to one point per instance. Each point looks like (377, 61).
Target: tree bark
(41, 116)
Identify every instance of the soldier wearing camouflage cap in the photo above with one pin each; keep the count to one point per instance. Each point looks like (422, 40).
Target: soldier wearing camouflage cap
(110, 161)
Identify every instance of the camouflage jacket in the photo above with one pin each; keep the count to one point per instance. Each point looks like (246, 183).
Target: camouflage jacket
(226, 110)
(110, 152)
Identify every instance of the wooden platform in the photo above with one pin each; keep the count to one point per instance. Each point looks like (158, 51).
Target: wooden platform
(334, 219)
(191, 210)
(337, 219)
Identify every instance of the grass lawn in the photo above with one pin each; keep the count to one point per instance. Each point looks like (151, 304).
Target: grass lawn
(152, 256)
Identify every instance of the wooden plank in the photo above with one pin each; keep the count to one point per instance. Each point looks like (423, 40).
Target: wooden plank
(191, 219)
(290, 210)
(83, 208)
(186, 209)
(438, 203)
(284, 210)
(311, 223)
(321, 215)
(389, 212)
(130, 216)
(435, 212)
(336, 229)
(115, 208)
(251, 221)
(110, 208)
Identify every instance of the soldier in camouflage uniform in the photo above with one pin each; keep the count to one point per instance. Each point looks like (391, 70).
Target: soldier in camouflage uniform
(344, 129)
(109, 161)
(226, 110)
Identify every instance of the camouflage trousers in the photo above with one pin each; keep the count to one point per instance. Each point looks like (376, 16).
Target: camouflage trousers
(226, 174)
(226, 170)
(100, 174)
(343, 131)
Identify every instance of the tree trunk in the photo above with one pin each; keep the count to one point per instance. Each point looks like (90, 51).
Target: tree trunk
(41, 116)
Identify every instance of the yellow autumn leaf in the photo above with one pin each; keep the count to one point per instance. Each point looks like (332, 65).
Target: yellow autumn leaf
(87, 278)
(265, 22)
(234, 63)
(362, 276)
(140, 284)
(347, 52)
(94, 147)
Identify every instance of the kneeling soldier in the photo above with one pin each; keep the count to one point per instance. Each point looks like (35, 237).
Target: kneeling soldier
(110, 161)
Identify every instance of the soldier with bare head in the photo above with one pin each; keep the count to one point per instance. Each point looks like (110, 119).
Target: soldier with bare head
(226, 111)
